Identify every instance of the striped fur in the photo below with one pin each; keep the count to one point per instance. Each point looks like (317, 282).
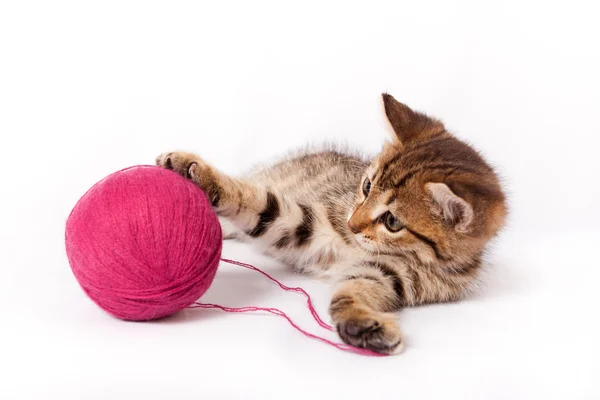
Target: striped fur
(312, 212)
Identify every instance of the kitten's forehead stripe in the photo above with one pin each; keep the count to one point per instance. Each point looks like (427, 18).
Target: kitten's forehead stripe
(442, 169)
(378, 174)
(390, 164)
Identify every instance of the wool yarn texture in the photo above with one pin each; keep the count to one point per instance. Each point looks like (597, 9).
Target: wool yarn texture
(143, 243)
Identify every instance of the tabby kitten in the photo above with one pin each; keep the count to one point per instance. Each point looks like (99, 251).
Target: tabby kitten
(408, 227)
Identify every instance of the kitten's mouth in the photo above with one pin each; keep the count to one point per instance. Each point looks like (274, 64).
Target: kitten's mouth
(365, 243)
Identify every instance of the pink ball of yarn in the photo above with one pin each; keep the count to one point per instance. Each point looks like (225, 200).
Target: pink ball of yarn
(143, 243)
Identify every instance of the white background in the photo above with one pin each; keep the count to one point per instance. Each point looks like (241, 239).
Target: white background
(87, 88)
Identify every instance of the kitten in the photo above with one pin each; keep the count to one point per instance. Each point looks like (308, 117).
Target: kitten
(406, 228)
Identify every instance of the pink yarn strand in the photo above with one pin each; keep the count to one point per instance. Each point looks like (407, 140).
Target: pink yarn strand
(309, 302)
(275, 311)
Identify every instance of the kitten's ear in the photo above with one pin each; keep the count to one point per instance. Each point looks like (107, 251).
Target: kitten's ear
(454, 210)
(408, 125)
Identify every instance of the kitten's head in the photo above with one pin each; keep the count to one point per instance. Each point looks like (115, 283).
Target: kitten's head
(427, 195)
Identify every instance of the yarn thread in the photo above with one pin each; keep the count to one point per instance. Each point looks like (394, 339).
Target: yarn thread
(278, 312)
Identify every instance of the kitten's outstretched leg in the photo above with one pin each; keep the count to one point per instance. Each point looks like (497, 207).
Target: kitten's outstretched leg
(251, 208)
(361, 309)
(259, 212)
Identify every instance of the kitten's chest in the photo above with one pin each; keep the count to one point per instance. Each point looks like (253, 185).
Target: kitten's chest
(325, 253)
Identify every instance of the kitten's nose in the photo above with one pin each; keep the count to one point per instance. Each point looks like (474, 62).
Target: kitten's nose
(354, 226)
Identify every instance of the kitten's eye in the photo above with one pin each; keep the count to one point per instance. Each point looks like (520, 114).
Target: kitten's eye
(366, 187)
(391, 223)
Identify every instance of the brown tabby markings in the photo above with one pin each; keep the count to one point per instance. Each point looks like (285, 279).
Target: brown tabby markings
(317, 213)
(266, 217)
(304, 230)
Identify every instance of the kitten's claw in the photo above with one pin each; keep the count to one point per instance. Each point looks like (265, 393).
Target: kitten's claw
(192, 171)
(184, 164)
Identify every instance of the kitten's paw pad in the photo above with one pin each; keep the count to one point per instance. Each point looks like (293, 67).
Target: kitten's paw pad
(185, 164)
(377, 332)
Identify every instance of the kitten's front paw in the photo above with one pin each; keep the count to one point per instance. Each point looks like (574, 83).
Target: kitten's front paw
(183, 163)
(367, 329)
(194, 168)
